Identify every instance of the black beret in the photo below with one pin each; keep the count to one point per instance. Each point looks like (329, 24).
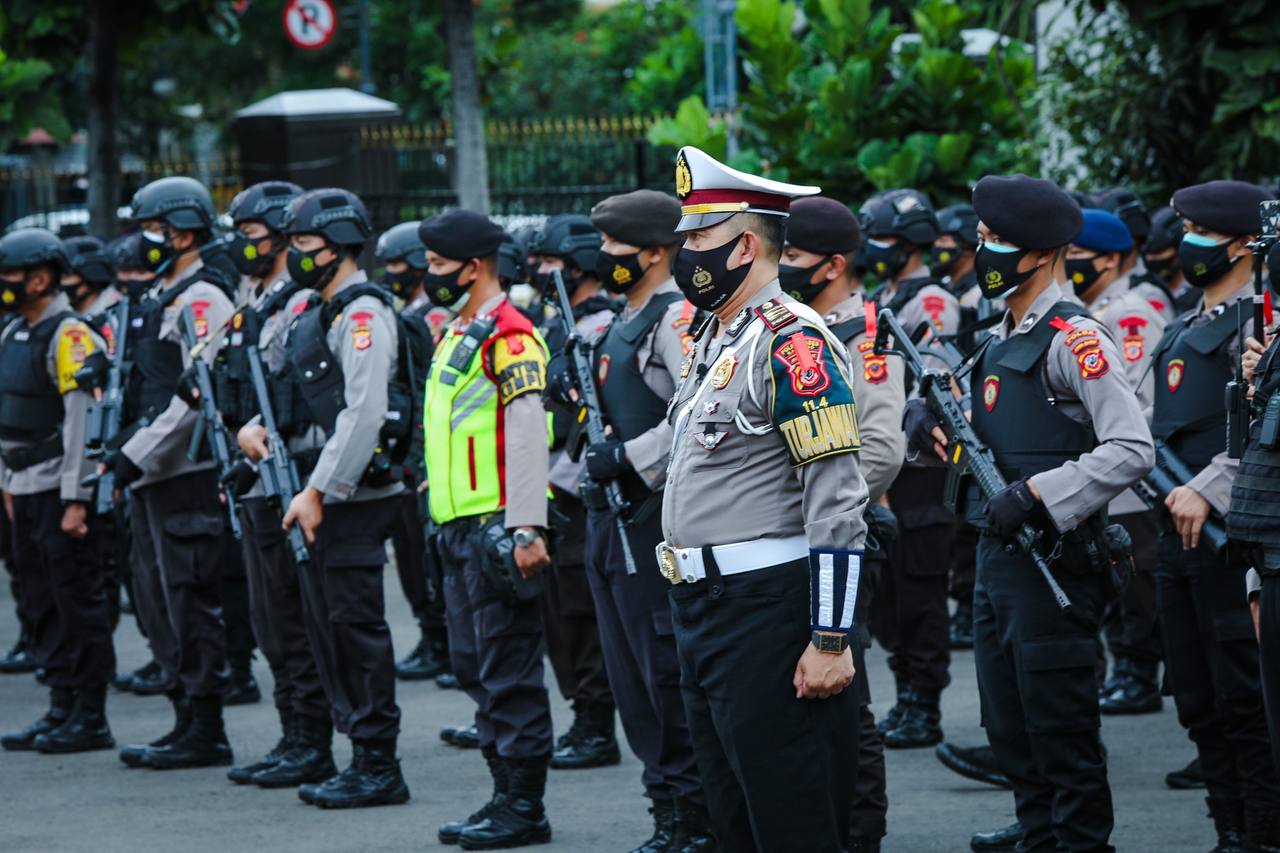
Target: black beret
(1228, 207)
(461, 234)
(1030, 213)
(823, 226)
(643, 218)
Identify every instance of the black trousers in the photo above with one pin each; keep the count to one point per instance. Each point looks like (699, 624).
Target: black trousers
(778, 772)
(15, 583)
(345, 618)
(237, 613)
(179, 529)
(1269, 653)
(912, 619)
(275, 606)
(62, 594)
(640, 653)
(496, 650)
(1133, 629)
(569, 613)
(409, 542)
(1211, 659)
(964, 557)
(1039, 697)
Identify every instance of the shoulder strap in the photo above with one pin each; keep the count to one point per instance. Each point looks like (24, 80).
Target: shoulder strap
(346, 296)
(1023, 358)
(639, 325)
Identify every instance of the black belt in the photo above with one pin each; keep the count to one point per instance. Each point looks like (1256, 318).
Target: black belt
(22, 458)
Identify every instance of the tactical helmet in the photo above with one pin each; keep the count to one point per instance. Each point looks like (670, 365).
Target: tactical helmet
(512, 266)
(1131, 210)
(126, 252)
(263, 202)
(183, 203)
(31, 247)
(901, 213)
(1166, 231)
(336, 214)
(90, 260)
(402, 243)
(961, 222)
(571, 237)
(1082, 198)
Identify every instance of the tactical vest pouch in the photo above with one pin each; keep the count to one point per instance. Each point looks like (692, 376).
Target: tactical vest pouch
(496, 547)
(1269, 432)
(397, 426)
(22, 458)
(20, 415)
(158, 366)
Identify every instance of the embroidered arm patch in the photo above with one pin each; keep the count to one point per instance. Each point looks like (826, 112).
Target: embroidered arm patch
(519, 365)
(75, 344)
(1086, 348)
(813, 406)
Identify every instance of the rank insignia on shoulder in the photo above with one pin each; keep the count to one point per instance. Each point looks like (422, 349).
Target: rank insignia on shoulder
(723, 372)
(362, 331)
(802, 356)
(875, 368)
(775, 315)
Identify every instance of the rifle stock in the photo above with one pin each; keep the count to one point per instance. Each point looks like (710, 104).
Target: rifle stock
(1167, 474)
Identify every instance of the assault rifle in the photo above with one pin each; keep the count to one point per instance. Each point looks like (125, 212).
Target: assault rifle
(1167, 474)
(590, 409)
(104, 415)
(210, 424)
(966, 452)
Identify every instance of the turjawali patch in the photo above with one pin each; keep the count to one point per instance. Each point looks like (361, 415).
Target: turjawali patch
(517, 367)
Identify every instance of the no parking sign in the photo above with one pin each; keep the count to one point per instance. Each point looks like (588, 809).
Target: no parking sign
(310, 24)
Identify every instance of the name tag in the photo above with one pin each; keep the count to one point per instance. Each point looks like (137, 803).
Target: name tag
(21, 335)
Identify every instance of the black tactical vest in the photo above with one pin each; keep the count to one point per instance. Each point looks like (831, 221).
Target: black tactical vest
(233, 382)
(30, 404)
(1255, 493)
(157, 364)
(1012, 411)
(907, 291)
(1192, 367)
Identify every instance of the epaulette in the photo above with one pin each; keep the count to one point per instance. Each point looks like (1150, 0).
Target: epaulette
(775, 315)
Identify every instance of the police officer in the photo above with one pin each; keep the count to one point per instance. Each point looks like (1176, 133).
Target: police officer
(56, 546)
(951, 258)
(571, 243)
(179, 524)
(259, 249)
(763, 504)
(638, 364)
(404, 260)
(1132, 212)
(914, 622)
(1093, 263)
(817, 269)
(1160, 255)
(1211, 654)
(348, 355)
(1063, 463)
(90, 283)
(487, 463)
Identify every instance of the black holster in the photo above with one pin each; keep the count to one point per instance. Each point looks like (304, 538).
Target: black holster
(496, 547)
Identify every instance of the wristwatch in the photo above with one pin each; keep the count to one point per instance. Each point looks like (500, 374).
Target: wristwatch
(830, 644)
(525, 538)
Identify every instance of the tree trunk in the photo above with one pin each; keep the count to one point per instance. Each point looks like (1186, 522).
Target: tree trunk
(103, 155)
(471, 167)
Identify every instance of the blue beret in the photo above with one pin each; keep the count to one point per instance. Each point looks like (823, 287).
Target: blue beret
(1030, 213)
(461, 234)
(1228, 207)
(1103, 231)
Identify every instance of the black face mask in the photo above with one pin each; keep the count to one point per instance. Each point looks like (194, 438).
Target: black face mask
(305, 271)
(246, 257)
(1163, 268)
(797, 282)
(1082, 273)
(886, 260)
(619, 273)
(997, 269)
(134, 289)
(13, 293)
(705, 279)
(444, 289)
(943, 259)
(401, 283)
(76, 292)
(155, 251)
(1203, 261)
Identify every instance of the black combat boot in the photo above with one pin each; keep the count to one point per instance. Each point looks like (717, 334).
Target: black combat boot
(962, 625)
(664, 827)
(463, 737)
(242, 688)
(148, 680)
(429, 659)
(590, 741)
(373, 779)
(203, 744)
(19, 659)
(520, 819)
(1229, 822)
(1119, 675)
(975, 762)
(693, 829)
(1187, 779)
(998, 840)
(61, 701)
(893, 719)
(243, 775)
(85, 730)
(447, 681)
(308, 761)
(856, 844)
(1138, 692)
(501, 773)
(1261, 829)
(133, 754)
(921, 724)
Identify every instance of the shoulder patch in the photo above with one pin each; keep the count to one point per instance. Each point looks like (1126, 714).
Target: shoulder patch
(362, 330)
(685, 320)
(519, 366)
(775, 315)
(875, 368)
(75, 344)
(1087, 349)
(1134, 342)
(934, 306)
(813, 406)
(200, 313)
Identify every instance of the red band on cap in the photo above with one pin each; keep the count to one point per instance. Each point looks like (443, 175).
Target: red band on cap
(753, 199)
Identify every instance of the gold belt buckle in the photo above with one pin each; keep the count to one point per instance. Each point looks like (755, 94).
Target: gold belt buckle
(667, 564)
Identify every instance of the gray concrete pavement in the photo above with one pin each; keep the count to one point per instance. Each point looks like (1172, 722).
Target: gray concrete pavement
(93, 803)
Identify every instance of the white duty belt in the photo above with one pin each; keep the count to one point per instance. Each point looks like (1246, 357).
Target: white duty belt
(686, 565)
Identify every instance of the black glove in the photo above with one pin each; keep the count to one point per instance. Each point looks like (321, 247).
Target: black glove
(93, 374)
(559, 381)
(1009, 508)
(124, 469)
(918, 423)
(188, 392)
(607, 459)
(240, 478)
